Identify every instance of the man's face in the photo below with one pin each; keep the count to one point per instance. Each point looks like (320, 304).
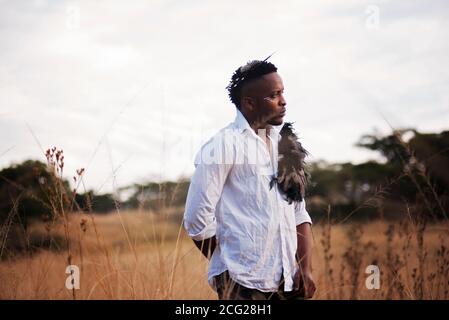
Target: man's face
(263, 100)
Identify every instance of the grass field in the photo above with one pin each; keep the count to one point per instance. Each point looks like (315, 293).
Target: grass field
(147, 255)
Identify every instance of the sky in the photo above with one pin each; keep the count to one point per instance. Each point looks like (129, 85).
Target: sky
(130, 90)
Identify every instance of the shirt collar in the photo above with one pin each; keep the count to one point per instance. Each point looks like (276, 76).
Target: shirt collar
(241, 124)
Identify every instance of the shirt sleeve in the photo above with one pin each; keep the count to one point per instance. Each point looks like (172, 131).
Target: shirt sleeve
(203, 195)
(301, 214)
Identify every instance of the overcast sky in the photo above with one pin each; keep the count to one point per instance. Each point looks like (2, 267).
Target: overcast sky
(130, 90)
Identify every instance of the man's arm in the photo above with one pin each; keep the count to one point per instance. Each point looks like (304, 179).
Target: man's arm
(304, 248)
(304, 280)
(206, 246)
(205, 190)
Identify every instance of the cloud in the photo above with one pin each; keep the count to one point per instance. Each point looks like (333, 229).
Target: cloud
(143, 85)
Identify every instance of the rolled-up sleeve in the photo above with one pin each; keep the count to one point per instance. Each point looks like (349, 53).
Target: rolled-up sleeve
(301, 214)
(203, 195)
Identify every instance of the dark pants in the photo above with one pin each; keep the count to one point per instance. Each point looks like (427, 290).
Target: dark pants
(227, 289)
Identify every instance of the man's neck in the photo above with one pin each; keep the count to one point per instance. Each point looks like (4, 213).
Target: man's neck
(258, 124)
(264, 133)
(256, 127)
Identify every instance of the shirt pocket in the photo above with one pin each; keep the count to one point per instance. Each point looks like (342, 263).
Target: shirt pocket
(246, 178)
(245, 171)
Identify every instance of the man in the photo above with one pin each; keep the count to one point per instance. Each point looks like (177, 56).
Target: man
(245, 207)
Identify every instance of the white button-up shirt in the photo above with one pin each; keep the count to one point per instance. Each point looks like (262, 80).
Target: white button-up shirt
(230, 197)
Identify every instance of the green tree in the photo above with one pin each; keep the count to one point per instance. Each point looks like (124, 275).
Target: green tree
(27, 191)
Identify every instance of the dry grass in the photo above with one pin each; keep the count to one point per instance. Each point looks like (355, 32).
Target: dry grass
(153, 265)
(138, 255)
(147, 255)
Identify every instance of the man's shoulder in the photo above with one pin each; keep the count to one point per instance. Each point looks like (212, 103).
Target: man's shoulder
(226, 135)
(220, 145)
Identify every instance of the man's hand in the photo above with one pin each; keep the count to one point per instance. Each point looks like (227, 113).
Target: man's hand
(303, 283)
(303, 279)
(206, 246)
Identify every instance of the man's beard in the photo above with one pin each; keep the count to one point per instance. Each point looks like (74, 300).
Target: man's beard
(277, 121)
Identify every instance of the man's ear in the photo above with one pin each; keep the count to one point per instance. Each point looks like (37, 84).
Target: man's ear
(247, 104)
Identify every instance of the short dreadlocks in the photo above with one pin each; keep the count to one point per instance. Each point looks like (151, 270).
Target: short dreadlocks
(245, 74)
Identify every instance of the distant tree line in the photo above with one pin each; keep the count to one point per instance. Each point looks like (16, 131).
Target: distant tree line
(414, 175)
(414, 178)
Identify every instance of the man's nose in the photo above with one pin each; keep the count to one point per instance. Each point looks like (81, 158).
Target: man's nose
(282, 101)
